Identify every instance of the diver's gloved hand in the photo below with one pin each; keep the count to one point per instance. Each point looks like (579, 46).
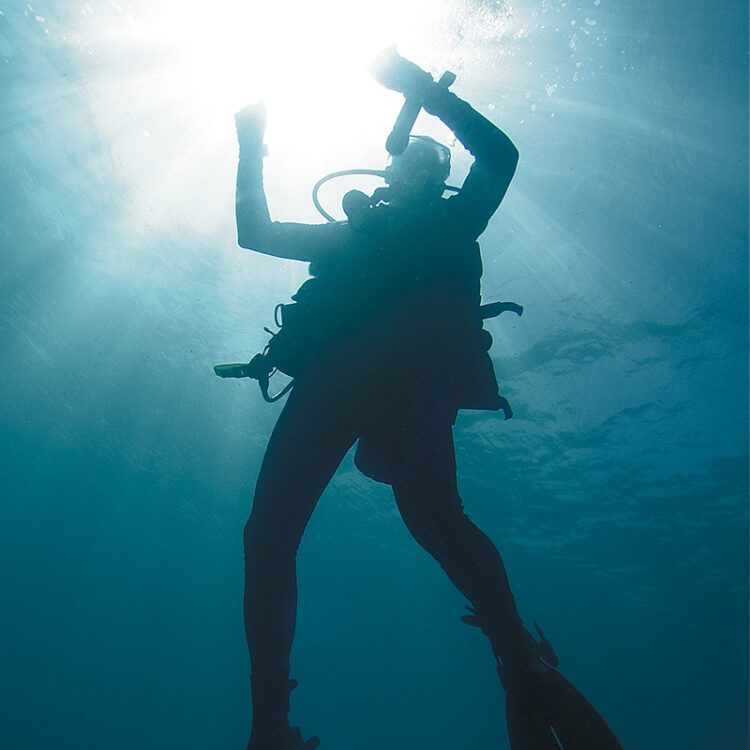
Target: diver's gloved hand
(250, 122)
(399, 74)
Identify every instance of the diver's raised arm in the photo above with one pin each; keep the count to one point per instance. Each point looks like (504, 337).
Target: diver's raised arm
(495, 159)
(482, 139)
(485, 141)
(495, 156)
(255, 230)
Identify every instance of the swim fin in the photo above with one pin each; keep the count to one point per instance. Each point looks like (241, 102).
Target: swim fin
(289, 739)
(552, 714)
(310, 744)
(544, 710)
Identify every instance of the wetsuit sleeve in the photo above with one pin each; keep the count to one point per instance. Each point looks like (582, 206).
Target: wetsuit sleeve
(495, 160)
(256, 231)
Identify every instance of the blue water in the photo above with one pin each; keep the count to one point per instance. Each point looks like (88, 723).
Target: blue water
(617, 494)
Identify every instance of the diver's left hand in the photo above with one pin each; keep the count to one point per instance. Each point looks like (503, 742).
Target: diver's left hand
(251, 123)
(399, 74)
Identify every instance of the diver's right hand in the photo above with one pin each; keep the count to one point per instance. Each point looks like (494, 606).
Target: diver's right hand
(250, 122)
(399, 74)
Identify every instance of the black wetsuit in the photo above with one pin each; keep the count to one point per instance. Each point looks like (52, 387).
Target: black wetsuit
(409, 351)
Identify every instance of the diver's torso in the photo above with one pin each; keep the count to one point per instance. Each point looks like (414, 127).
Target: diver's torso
(399, 296)
(397, 255)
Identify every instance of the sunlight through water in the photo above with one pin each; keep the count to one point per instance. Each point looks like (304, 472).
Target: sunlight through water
(617, 494)
(230, 52)
(181, 69)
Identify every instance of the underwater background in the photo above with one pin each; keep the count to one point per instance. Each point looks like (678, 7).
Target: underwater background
(618, 493)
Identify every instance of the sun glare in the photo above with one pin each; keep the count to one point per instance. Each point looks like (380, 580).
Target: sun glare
(179, 69)
(297, 55)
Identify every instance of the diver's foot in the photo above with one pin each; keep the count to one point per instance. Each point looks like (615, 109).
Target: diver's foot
(523, 665)
(288, 738)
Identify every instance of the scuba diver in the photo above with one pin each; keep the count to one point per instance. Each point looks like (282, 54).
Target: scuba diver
(386, 343)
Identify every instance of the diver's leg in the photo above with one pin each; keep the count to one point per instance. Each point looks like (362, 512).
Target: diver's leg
(428, 500)
(434, 514)
(543, 710)
(303, 453)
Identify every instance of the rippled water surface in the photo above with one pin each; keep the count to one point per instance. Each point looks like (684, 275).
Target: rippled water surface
(617, 494)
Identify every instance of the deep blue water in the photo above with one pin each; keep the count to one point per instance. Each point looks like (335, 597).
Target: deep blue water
(617, 495)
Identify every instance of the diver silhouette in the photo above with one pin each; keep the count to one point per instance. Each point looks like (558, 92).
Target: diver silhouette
(386, 344)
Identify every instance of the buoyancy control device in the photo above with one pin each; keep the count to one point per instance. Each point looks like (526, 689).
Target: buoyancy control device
(302, 332)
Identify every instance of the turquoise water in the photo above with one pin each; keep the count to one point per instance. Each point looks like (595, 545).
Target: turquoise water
(617, 494)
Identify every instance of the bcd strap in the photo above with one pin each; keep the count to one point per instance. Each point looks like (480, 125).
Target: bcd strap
(505, 407)
(492, 310)
(495, 308)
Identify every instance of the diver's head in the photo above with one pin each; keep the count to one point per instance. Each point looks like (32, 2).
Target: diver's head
(421, 170)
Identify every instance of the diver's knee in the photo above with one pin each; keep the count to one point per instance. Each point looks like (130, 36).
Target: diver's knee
(249, 533)
(435, 532)
(266, 543)
(428, 504)
(256, 539)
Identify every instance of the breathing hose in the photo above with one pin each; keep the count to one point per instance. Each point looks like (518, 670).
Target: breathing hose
(345, 173)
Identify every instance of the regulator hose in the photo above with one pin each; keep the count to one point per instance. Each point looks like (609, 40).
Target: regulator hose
(345, 173)
(332, 176)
